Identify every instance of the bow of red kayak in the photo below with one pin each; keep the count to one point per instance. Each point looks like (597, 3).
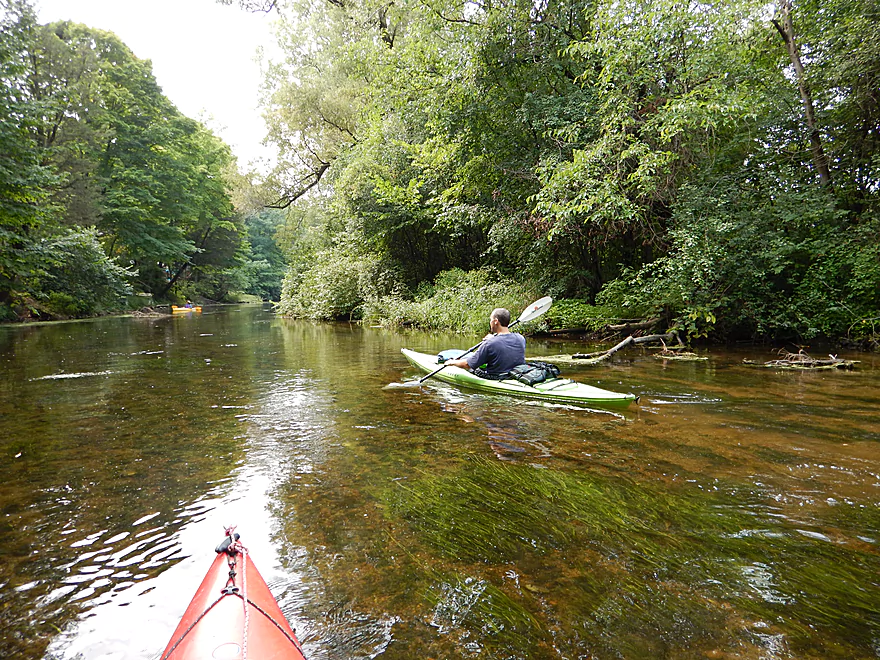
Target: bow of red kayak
(233, 615)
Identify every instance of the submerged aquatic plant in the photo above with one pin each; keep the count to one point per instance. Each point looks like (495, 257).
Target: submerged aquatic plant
(634, 570)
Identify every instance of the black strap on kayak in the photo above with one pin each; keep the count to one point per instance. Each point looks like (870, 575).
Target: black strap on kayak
(231, 547)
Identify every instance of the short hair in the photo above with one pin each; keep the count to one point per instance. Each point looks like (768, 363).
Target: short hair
(502, 315)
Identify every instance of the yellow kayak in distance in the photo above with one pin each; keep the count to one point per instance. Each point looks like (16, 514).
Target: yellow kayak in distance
(185, 310)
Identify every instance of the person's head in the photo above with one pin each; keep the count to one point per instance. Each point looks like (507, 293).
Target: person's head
(500, 316)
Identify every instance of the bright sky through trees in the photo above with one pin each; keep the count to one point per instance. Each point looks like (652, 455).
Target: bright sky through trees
(203, 57)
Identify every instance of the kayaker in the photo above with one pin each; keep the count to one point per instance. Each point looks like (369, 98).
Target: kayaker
(500, 351)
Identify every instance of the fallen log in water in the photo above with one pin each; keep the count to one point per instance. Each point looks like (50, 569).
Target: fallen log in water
(683, 356)
(676, 352)
(592, 358)
(669, 336)
(599, 356)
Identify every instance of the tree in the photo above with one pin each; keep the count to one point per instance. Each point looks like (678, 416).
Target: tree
(24, 181)
(590, 144)
(785, 26)
(150, 179)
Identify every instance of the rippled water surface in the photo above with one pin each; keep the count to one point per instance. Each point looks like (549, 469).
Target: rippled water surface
(733, 513)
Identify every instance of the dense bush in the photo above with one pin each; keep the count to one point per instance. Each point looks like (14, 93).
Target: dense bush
(334, 288)
(457, 300)
(578, 314)
(759, 259)
(77, 277)
(656, 158)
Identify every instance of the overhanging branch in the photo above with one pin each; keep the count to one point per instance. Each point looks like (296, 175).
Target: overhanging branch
(300, 188)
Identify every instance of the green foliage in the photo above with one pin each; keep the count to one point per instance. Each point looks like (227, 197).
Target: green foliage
(572, 314)
(458, 300)
(761, 257)
(95, 163)
(265, 266)
(78, 278)
(655, 151)
(151, 180)
(662, 110)
(329, 290)
(24, 180)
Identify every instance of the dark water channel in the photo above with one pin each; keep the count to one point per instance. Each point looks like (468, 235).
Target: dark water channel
(734, 513)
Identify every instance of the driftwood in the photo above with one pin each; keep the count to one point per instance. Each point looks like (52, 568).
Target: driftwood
(603, 355)
(630, 327)
(802, 361)
(669, 336)
(683, 356)
(676, 353)
(599, 356)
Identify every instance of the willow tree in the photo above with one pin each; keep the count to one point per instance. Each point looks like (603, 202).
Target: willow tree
(447, 108)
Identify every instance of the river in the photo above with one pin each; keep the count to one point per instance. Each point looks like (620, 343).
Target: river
(733, 513)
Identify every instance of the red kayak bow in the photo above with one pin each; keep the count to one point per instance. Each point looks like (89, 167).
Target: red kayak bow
(233, 615)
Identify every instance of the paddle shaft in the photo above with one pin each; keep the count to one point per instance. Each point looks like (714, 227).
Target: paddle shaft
(470, 350)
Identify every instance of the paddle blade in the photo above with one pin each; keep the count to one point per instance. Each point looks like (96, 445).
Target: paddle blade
(405, 385)
(535, 310)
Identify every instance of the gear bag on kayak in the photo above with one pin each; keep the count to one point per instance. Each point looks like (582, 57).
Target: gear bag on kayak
(531, 373)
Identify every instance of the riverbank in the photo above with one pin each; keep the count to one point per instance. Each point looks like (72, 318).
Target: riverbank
(146, 311)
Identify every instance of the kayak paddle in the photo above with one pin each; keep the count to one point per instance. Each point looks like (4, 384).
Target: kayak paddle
(531, 312)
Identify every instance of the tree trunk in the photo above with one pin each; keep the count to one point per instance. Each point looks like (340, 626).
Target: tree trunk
(786, 30)
(173, 280)
(186, 264)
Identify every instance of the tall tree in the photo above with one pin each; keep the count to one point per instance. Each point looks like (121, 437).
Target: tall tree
(785, 26)
(150, 179)
(25, 181)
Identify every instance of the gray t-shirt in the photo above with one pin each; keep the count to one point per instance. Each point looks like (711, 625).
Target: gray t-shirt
(500, 353)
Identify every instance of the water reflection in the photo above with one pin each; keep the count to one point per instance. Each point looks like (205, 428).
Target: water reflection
(735, 513)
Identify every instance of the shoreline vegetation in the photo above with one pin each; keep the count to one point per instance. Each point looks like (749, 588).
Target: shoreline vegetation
(462, 302)
(154, 310)
(654, 167)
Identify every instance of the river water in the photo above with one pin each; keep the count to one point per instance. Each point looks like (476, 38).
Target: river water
(733, 513)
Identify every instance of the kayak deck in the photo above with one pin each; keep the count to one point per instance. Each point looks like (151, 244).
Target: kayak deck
(560, 390)
(233, 615)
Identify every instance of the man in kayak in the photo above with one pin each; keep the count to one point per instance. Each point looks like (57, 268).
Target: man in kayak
(500, 351)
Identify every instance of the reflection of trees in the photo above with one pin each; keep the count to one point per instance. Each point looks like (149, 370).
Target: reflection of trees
(97, 453)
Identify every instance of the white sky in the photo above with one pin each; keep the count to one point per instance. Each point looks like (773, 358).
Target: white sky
(203, 54)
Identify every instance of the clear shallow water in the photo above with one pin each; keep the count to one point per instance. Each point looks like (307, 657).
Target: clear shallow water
(734, 513)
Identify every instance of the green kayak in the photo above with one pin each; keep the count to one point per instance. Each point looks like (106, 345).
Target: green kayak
(560, 390)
